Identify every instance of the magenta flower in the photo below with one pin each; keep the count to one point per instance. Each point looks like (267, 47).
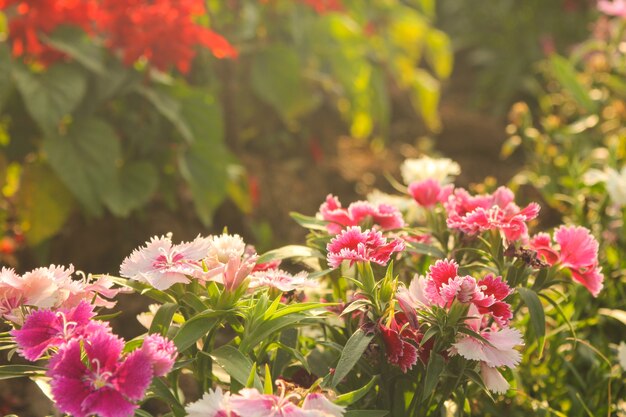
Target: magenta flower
(162, 353)
(577, 251)
(359, 213)
(356, 246)
(44, 329)
(103, 383)
(163, 264)
(497, 211)
(429, 192)
(281, 280)
(613, 8)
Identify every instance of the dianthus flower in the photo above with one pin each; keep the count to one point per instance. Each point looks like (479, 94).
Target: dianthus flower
(161, 31)
(613, 8)
(33, 18)
(163, 264)
(442, 285)
(359, 213)
(355, 245)
(497, 211)
(429, 192)
(442, 170)
(162, 353)
(228, 254)
(401, 341)
(91, 376)
(281, 280)
(44, 329)
(576, 250)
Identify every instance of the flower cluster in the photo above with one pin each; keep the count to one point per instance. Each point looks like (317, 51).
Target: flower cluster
(360, 213)
(163, 32)
(355, 245)
(251, 403)
(50, 287)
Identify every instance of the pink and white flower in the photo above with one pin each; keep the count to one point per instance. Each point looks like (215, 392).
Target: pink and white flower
(497, 211)
(576, 250)
(214, 403)
(281, 280)
(355, 245)
(442, 170)
(229, 261)
(162, 264)
(613, 8)
(359, 213)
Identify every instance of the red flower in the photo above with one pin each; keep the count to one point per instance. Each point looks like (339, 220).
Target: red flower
(32, 18)
(324, 6)
(401, 342)
(161, 31)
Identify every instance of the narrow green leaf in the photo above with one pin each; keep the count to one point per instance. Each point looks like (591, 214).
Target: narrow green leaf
(195, 328)
(163, 318)
(238, 366)
(350, 355)
(435, 367)
(424, 249)
(537, 315)
(351, 397)
(163, 392)
(268, 384)
(566, 75)
(309, 222)
(288, 252)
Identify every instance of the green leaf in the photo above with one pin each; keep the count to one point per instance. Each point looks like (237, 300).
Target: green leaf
(268, 385)
(196, 328)
(288, 252)
(142, 413)
(6, 81)
(163, 392)
(134, 185)
(439, 53)
(276, 78)
(51, 95)
(16, 371)
(424, 249)
(43, 203)
(434, 369)
(537, 314)
(365, 413)
(309, 222)
(85, 160)
(263, 331)
(76, 44)
(204, 164)
(163, 318)
(566, 75)
(236, 365)
(354, 396)
(169, 107)
(350, 355)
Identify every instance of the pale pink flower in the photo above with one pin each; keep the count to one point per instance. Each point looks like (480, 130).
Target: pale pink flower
(493, 379)
(44, 329)
(359, 213)
(251, 403)
(90, 376)
(163, 264)
(613, 8)
(98, 292)
(413, 298)
(214, 403)
(229, 262)
(318, 402)
(281, 280)
(45, 287)
(162, 353)
(10, 296)
(429, 192)
(497, 211)
(577, 251)
(355, 245)
(500, 351)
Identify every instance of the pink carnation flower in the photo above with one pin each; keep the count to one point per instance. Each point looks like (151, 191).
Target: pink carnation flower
(44, 329)
(359, 213)
(163, 264)
(443, 285)
(281, 280)
(613, 8)
(214, 403)
(162, 353)
(355, 245)
(230, 260)
(577, 251)
(429, 192)
(497, 211)
(103, 382)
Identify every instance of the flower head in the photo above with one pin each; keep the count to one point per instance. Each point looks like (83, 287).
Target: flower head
(401, 342)
(281, 280)
(355, 245)
(104, 383)
(613, 8)
(442, 170)
(162, 353)
(44, 329)
(427, 193)
(214, 403)
(163, 264)
(230, 261)
(359, 213)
